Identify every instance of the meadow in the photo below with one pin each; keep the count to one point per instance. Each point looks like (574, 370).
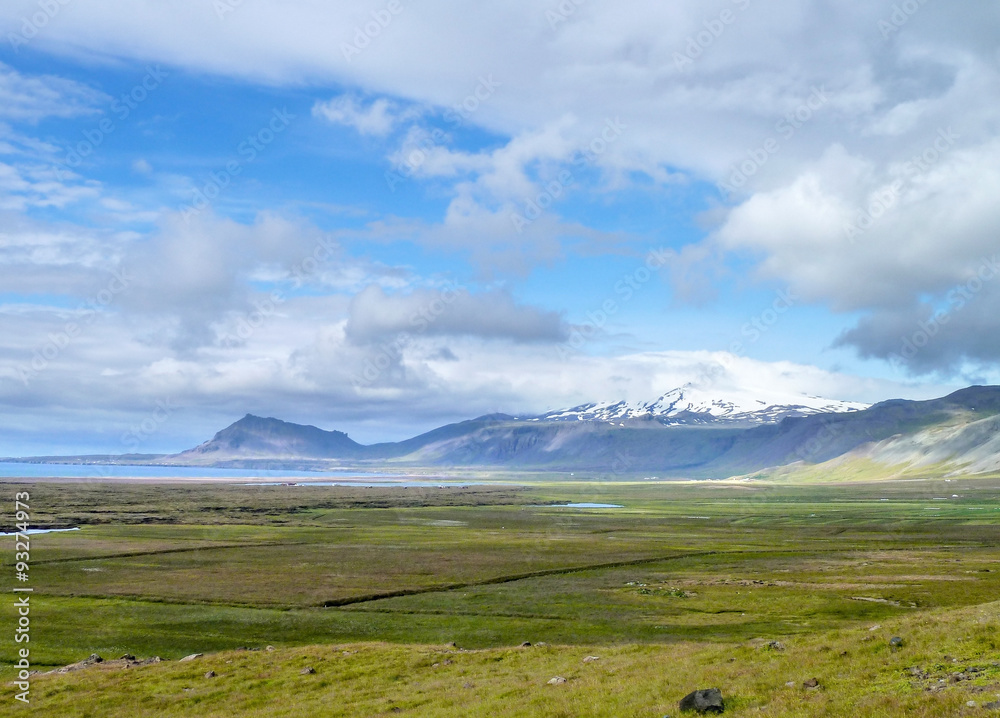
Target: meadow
(417, 601)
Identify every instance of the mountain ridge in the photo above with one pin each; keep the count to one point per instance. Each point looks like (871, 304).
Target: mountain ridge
(693, 404)
(699, 449)
(956, 434)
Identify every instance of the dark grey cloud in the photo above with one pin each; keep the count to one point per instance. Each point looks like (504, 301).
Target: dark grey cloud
(951, 335)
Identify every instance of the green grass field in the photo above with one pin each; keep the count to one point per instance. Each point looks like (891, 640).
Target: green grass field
(680, 589)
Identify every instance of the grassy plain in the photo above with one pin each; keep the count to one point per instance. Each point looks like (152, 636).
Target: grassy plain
(680, 589)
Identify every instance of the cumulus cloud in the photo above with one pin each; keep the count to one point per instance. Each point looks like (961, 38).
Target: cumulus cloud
(829, 134)
(378, 118)
(192, 272)
(452, 311)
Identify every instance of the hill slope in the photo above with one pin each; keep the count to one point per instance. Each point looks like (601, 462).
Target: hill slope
(959, 432)
(256, 437)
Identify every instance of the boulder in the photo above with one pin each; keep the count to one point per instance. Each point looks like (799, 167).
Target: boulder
(192, 657)
(896, 642)
(811, 683)
(210, 674)
(707, 700)
(307, 671)
(557, 681)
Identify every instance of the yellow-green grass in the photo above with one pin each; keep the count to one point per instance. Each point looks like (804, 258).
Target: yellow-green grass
(859, 675)
(666, 589)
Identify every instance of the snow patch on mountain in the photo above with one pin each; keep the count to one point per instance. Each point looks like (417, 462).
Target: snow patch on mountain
(691, 404)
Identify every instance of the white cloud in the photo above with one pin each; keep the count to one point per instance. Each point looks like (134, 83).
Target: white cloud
(452, 311)
(885, 101)
(32, 98)
(378, 118)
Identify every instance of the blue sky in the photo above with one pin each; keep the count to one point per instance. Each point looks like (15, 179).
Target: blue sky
(460, 200)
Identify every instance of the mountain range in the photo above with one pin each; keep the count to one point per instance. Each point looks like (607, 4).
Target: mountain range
(692, 404)
(684, 433)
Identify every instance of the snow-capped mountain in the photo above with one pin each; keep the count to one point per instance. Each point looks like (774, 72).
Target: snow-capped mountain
(690, 404)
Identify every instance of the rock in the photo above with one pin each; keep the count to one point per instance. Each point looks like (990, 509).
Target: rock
(707, 700)
(94, 658)
(192, 657)
(591, 659)
(307, 671)
(557, 681)
(128, 657)
(269, 648)
(467, 685)
(526, 644)
(992, 706)
(970, 704)
(811, 683)
(210, 674)
(774, 646)
(896, 642)
(790, 684)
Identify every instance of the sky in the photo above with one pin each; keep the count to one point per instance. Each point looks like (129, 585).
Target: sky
(382, 216)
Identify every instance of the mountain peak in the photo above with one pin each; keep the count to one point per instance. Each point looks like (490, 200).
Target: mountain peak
(264, 437)
(693, 404)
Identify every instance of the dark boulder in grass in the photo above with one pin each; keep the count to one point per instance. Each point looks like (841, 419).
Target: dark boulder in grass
(896, 642)
(708, 700)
